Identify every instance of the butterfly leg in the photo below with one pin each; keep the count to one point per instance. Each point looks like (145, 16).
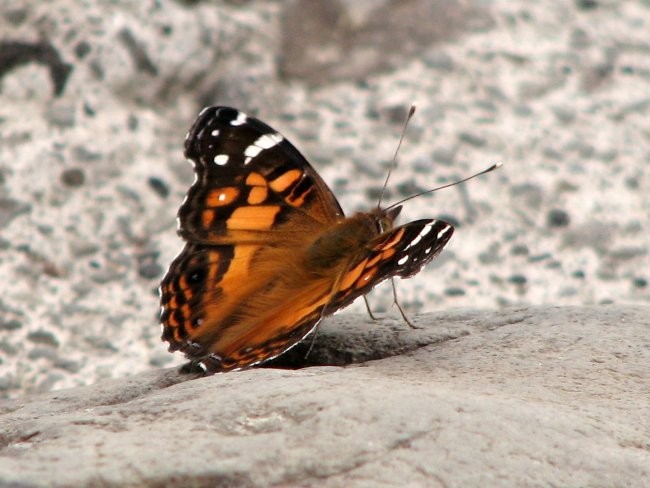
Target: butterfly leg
(399, 307)
(313, 340)
(365, 300)
(333, 293)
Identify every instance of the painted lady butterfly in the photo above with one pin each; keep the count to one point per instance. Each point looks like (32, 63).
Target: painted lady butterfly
(268, 250)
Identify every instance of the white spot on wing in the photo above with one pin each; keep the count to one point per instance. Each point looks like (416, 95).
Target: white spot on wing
(426, 230)
(222, 197)
(267, 141)
(240, 120)
(443, 232)
(403, 260)
(221, 159)
(214, 133)
(253, 150)
(414, 242)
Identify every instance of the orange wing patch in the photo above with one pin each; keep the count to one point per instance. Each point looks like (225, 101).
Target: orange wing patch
(257, 195)
(392, 241)
(255, 179)
(353, 275)
(220, 197)
(284, 181)
(253, 218)
(207, 218)
(290, 314)
(366, 278)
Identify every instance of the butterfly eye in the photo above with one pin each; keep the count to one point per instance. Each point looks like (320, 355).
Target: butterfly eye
(380, 225)
(386, 218)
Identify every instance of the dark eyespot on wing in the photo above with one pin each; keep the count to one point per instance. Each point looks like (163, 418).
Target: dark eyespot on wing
(194, 275)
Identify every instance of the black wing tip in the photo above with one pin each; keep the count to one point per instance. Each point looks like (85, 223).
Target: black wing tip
(429, 237)
(208, 117)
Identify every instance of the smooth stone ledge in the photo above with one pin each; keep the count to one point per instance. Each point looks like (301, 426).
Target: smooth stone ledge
(542, 396)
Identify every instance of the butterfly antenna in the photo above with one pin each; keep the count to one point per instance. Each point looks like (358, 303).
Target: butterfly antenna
(394, 162)
(487, 170)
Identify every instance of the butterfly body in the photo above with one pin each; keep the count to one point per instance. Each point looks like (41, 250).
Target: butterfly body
(268, 249)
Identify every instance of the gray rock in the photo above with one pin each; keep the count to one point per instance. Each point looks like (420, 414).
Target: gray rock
(543, 396)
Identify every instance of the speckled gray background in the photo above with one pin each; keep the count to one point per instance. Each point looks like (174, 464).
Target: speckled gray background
(96, 97)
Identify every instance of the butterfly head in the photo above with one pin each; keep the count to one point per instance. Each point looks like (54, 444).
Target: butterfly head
(385, 218)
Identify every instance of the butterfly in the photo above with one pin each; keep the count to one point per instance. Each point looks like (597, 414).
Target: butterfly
(268, 250)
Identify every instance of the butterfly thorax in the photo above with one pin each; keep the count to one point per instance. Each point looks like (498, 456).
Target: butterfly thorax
(338, 244)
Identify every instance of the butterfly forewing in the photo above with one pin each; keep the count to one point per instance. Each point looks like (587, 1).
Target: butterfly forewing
(250, 182)
(401, 252)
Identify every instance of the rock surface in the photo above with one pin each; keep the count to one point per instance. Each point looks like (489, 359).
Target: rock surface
(542, 396)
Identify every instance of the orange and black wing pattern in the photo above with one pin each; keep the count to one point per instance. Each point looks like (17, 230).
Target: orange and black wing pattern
(254, 202)
(401, 251)
(250, 181)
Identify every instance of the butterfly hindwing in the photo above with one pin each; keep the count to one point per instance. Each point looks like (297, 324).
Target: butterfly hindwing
(199, 291)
